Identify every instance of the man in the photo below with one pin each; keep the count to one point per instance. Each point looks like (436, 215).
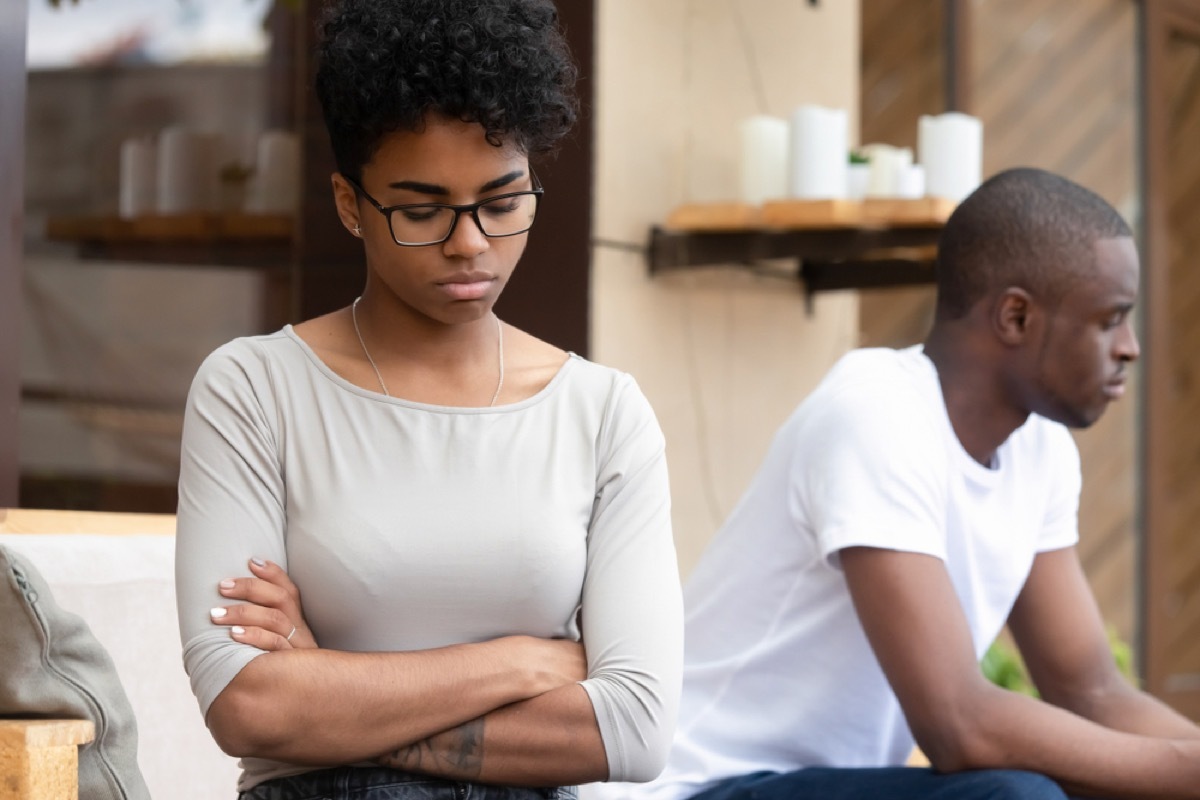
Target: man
(916, 502)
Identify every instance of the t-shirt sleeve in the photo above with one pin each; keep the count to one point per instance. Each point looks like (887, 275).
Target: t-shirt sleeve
(632, 611)
(231, 508)
(869, 471)
(1062, 506)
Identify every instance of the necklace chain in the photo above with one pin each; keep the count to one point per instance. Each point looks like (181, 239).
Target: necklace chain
(379, 375)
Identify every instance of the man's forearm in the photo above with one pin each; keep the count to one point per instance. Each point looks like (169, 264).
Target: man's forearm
(1015, 732)
(1125, 708)
(549, 740)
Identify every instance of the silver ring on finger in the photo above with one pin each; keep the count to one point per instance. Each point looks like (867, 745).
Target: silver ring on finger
(290, 635)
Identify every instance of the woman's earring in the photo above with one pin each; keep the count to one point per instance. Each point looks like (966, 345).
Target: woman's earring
(358, 231)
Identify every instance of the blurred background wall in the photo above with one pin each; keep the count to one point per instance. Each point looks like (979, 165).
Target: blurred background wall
(724, 353)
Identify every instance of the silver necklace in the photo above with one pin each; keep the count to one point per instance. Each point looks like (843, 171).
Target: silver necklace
(379, 376)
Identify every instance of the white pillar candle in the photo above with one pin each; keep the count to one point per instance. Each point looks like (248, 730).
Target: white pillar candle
(139, 176)
(187, 177)
(910, 182)
(763, 165)
(818, 153)
(950, 148)
(887, 162)
(275, 187)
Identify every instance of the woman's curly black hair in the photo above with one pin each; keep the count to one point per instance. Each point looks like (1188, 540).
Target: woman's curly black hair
(384, 64)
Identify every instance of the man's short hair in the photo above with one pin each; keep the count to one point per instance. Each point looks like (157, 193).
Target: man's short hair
(1022, 227)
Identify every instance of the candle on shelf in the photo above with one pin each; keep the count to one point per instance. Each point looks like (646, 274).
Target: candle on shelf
(950, 148)
(187, 178)
(139, 174)
(275, 187)
(910, 182)
(817, 153)
(887, 163)
(763, 165)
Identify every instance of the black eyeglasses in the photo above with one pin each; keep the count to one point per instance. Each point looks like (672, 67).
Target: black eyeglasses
(421, 224)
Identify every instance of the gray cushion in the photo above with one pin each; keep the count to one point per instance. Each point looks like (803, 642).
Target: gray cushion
(51, 666)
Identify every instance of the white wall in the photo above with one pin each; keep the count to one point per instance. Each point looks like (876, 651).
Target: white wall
(723, 355)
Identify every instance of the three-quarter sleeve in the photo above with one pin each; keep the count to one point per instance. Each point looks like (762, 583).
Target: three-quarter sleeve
(231, 508)
(632, 611)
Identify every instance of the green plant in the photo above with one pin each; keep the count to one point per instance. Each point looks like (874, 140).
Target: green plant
(1003, 665)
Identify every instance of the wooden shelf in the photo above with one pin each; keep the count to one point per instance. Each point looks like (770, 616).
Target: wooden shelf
(715, 217)
(898, 213)
(789, 214)
(929, 212)
(837, 244)
(174, 227)
(258, 241)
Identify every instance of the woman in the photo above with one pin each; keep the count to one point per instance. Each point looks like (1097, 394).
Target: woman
(476, 521)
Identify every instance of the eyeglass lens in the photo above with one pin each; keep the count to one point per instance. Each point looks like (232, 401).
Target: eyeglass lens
(501, 216)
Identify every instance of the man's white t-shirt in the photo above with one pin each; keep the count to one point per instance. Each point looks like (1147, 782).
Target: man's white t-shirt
(778, 673)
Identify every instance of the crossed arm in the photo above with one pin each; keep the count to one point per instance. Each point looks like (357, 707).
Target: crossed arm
(1095, 734)
(509, 710)
(435, 711)
(506, 711)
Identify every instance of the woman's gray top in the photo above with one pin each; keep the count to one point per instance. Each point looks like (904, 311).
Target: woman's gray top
(409, 526)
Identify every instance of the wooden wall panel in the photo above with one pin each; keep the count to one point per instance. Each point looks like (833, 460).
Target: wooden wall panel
(1055, 84)
(1174, 555)
(902, 78)
(902, 69)
(12, 201)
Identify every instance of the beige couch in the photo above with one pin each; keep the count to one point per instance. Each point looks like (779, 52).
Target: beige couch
(117, 572)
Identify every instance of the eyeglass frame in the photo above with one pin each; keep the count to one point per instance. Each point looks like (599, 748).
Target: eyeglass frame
(473, 208)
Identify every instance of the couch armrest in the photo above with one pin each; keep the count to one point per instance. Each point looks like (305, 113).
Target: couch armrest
(104, 523)
(39, 758)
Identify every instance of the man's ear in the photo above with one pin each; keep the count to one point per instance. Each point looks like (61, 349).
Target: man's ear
(1013, 316)
(346, 200)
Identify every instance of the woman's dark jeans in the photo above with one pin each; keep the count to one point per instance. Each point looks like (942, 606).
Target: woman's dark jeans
(379, 783)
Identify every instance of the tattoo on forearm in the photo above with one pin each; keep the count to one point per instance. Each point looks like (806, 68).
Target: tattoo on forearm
(456, 753)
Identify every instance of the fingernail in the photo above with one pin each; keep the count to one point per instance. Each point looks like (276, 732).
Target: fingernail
(227, 583)
(217, 613)
(258, 562)
(237, 630)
